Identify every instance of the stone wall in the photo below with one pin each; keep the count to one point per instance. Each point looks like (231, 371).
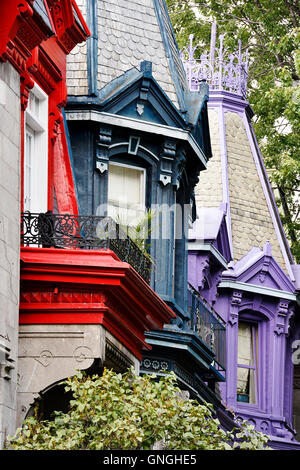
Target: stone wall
(9, 243)
(48, 354)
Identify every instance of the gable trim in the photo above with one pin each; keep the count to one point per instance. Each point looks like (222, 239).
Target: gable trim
(268, 291)
(287, 256)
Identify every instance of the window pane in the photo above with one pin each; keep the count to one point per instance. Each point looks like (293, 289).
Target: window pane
(246, 385)
(245, 344)
(247, 356)
(126, 194)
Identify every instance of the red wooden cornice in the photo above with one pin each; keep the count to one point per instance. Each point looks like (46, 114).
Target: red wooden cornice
(70, 26)
(91, 287)
(22, 29)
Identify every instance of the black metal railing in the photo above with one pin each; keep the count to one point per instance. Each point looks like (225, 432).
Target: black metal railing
(83, 231)
(205, 321)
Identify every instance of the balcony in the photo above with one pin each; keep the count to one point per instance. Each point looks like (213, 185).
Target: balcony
(209, 326)
(48, 230)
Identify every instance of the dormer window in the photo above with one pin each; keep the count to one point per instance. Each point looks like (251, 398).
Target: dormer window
(126, 193)
(247, 384)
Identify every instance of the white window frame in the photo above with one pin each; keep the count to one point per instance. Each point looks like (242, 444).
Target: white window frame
(37, 126)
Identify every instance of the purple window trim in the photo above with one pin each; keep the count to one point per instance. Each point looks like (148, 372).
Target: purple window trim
(263, 325)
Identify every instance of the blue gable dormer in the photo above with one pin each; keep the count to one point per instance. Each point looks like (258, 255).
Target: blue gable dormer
(136, 94)
(133, 123)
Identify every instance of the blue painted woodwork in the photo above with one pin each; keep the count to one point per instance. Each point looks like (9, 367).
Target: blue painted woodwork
(166, 160)
(172, 163)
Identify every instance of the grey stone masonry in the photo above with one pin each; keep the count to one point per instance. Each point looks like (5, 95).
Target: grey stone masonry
(9, 244)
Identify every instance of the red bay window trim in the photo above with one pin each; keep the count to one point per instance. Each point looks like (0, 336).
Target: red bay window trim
(64, 286)
(63, 176)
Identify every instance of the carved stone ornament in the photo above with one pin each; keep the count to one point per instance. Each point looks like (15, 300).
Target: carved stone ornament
(45, 358)
(7, 364)
(140, 108)
(165, 179)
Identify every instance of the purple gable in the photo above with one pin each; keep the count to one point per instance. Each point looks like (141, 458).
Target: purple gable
(259, 268)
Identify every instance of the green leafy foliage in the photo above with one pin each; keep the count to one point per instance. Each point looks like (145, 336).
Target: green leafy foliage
(270, 31)
(127, 411)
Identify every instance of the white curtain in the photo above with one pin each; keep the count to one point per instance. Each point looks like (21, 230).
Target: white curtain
(126, 194)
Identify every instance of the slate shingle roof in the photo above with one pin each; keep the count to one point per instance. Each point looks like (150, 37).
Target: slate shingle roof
(129, 32)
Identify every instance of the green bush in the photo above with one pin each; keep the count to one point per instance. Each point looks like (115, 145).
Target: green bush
(130, 412)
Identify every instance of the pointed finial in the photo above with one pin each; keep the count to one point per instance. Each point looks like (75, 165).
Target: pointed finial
(213, 36)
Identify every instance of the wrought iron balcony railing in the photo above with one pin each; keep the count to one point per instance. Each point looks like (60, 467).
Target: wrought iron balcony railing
(83, 231)
(209, 326)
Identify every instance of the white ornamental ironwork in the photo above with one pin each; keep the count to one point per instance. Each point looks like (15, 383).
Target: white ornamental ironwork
(222, 71)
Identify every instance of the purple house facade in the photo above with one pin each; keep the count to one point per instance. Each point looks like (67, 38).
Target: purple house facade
(239, 257)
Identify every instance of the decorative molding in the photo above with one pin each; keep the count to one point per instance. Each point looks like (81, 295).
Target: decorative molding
(45, 358)
(282, 320)
(7, 364)
(140, 107)
(101, 166)
(167, 157)
(156, 365)
(236, 300)
(165, 179)
(144, 89)
(69, 31)
(27, 31)
(81, 353)
(116, 357)
(45, 71)
(65, 297)
(203, 271)
(26, 84)
(264, 269)
(55, 120)
(102, 148)
(126, 122)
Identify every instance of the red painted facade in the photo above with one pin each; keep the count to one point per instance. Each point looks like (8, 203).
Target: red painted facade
(38, 50)
(69, 286)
